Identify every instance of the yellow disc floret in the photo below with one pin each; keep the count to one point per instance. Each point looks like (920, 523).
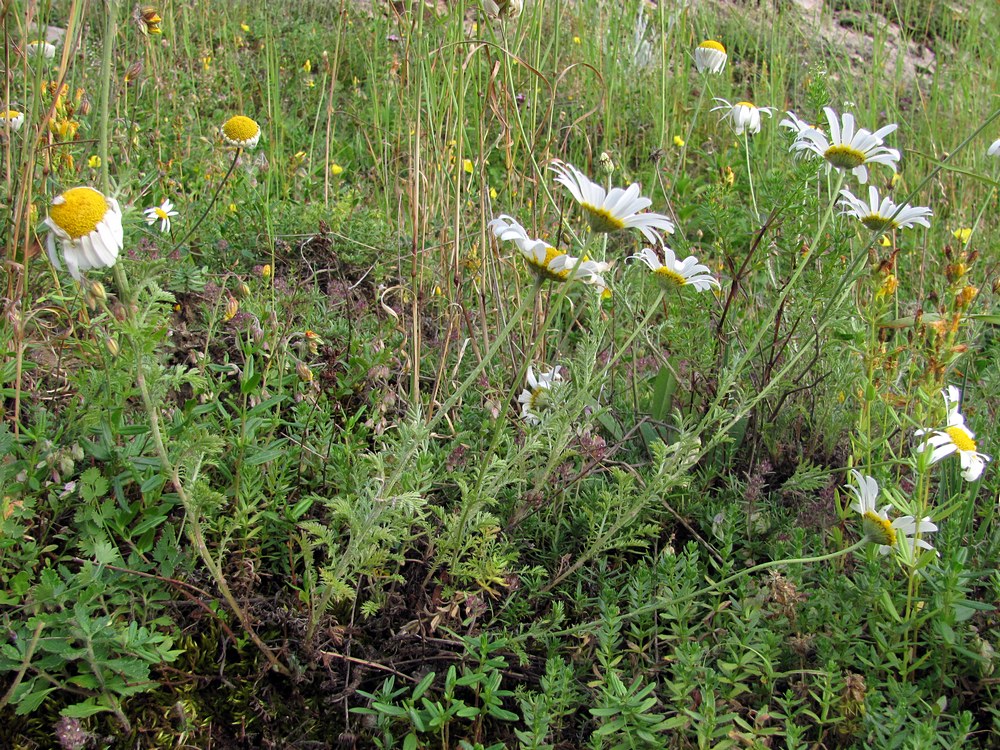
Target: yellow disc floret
(241, 129)
(961, 439)
(712, 44)
(669, 277)
(602, 220)
(878, 529)
(78, 211)
(844, 157)
(541, 267)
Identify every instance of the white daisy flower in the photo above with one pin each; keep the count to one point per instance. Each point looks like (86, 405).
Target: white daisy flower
(994, 150)
(533, 398)
(89, 226)
(673, 273)
(955, 438)
(615, 210)
(40, 48)
(847, 149)
(545, 260)
(11, 118)
(742, 115)
(161, 213)
(884, 215)
(241, 131)
(875, 521)
(793, 123)
(710, 57)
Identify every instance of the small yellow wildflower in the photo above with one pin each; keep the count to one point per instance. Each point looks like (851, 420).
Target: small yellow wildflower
(94, 162)
(307, 66)
(206, 62)
(493, 194)
(576, 40)
(467, 165)
(895, 179)
(244, 27)
(336, 170)
(962, 234)
(885, 241)
(678, 141)
(232, 208)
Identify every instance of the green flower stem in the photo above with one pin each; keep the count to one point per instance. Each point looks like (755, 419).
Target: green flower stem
(215, 197)
(912, 622)
(694, 122)
(191, 514)
(110, 30)
(753, 196)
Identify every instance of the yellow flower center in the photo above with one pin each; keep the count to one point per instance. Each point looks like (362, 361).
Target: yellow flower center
(712, 44)
(601, 220)
(240, 128)
(879, 530)
(878, 223)
(748, 105)
(961, 439)
(844, 157)
(669, 277)
(542, 267)
(78, 211)
(10, 114)
(161, 213)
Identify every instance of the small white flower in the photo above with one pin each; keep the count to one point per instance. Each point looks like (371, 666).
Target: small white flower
(955, 438)
(793, 123)
(710, 57)
(40, 48)
(875, 521)
(672, 273)
(11, 118)
(883, 216)
(742, 115)
(533, 399)
(994, 150)
(161, 213)
(546, 261)
(89, 226)
(847, 149)
(611, 211)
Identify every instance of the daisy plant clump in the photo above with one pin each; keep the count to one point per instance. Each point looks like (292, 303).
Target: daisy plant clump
(672, 273)
(241, 131)
(848, 149)
(710, 57)
(161, 213)
(545, 261)
(954, 438)
(614, 210)
(744, 116)
(11, 119)
(879, 528)
(89, 226)
(535, 398)
(884, 215)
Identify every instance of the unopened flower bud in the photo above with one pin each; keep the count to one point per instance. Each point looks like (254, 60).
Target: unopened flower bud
(232, 307)
(112, 346)
(97, 289)
(606, 164)
(305, 374)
